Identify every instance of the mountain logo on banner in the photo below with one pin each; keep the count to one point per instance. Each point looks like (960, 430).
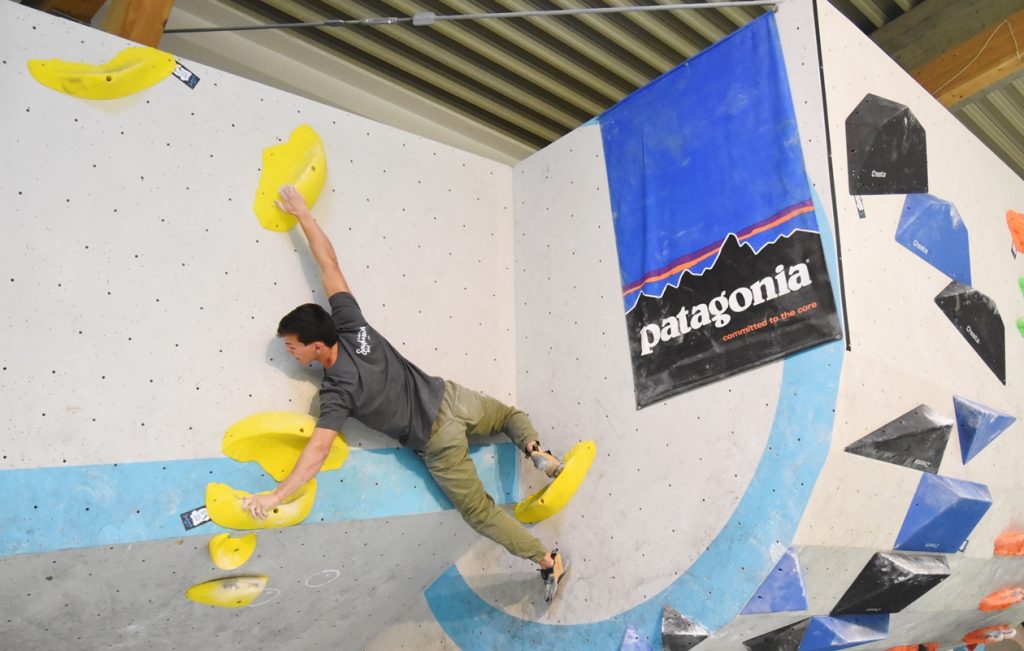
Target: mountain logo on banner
(699, 162)
(716, 324)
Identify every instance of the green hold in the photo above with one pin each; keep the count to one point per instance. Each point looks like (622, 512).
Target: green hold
(1020, 325)
(1020, 281)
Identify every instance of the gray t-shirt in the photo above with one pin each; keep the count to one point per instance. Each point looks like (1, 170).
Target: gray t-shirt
(373, 382)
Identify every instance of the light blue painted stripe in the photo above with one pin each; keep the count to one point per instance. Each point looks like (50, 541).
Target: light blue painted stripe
(85, 506)
(711, 591)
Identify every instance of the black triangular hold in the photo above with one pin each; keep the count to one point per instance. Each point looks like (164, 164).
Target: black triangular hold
(886, 149)
(787, 638)
(891, 581)
(977, 318)
(679, 633)
(917, 440)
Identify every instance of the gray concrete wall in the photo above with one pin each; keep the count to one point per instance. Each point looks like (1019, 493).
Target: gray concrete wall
(330, 586)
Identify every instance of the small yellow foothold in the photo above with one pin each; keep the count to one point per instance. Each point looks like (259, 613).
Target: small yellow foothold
(550, 500)
(274, 439)
(229, 553)
(224, 505)
(233, 592)
(301, 162)
(132, 70)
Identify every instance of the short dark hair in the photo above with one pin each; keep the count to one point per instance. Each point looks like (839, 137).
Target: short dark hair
(309, 323)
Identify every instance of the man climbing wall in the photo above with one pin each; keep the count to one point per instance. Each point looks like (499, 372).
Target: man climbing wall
(365, 377)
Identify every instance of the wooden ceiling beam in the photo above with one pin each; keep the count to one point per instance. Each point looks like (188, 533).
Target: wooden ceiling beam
(929, 29)
(986, 58)
(141, 21)
(80, 10)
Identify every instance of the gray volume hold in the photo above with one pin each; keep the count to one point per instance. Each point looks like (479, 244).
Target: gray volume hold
(917, 440)
(679, 633)
(891, 581)
(787, 638)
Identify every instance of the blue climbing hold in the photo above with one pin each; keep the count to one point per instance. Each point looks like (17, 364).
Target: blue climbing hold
(843, 632)
(782, 591)
(978, 425)
(942, 515)
(633, 641)
(932, 229)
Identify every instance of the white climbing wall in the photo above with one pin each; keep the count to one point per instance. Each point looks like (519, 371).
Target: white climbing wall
(904, 350)
(141, 299)
(141, 295)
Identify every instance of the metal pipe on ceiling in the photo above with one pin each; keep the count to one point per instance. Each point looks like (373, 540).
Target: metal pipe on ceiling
(427, 18)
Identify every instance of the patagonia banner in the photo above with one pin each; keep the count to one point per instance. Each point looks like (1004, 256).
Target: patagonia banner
(721, 262)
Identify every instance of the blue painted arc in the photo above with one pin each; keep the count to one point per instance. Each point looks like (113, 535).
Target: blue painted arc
(71, 507)
(712, 591)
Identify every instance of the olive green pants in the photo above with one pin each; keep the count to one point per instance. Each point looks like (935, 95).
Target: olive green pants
(465, 413)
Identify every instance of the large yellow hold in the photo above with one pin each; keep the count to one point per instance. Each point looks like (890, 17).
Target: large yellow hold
(228, 593)
(225, 507)
(550, 500)
(132, 70)
(301, 162)
(274, 439)
(230, 553)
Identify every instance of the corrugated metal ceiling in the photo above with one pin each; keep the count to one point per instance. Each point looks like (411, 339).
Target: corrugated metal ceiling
(534, 79)
(997, 119)
(527, 81)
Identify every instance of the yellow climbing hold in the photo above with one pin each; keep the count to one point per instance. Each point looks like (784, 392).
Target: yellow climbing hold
(132, 70)
(300, 162)
(274, 439)
(549, 501)
(233, 592)
(224, 504)
(228, 553)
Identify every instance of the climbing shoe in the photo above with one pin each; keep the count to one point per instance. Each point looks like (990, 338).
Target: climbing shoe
(553, 577)
(544, 461)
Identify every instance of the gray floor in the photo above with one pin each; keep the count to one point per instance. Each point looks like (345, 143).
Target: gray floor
(331, 586)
